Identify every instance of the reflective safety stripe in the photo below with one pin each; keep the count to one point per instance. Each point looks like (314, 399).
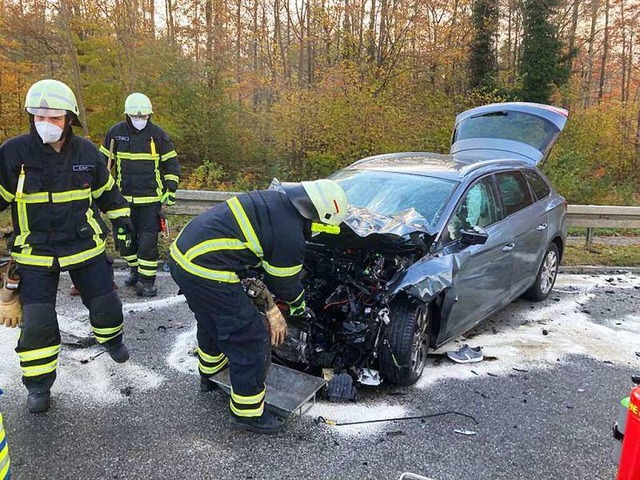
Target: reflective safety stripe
(96, 227)
(245, 225)
(168, 155)
(82, 256)
(148, 263)
(136, 156)
(71, 195)
(105, 334)
(38, 197)
(248, 400)
(297, 299)
(104, 150)
(8, 196)
(139, 200)
(299, 309)
(120, 212)
(148, 268)
(107, 186)
(254, 412)
(209, 358)
(214, 245)
(23, 225)
(171, 177)
(132, 260)
(202, 272)
(322, 228)
(4, 453)
(39, 353)
(207, 370)
(281, 271)
(35, 260)
(36, 370)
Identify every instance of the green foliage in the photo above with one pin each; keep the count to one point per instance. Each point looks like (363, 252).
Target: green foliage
(482, 55)
(542, 66)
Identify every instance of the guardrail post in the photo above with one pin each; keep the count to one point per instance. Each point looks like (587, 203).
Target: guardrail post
(590, 232)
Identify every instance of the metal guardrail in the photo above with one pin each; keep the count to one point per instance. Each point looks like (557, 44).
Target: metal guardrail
(194, 202)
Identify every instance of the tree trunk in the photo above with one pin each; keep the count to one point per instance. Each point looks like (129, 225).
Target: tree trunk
(586, 78)
(605, 52)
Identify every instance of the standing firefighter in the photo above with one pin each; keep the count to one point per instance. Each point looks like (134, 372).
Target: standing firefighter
(147, 173)
(266, 228)
(51, 178)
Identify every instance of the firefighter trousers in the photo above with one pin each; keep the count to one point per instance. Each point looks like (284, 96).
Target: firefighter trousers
(39, 341)
(143, 252)
(231, 332)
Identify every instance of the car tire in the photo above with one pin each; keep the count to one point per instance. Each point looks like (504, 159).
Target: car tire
(404, 349)
(546, 277)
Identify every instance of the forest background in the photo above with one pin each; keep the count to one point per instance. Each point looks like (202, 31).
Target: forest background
(295, 89)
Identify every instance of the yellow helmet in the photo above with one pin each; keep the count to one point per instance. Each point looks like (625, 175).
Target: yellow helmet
(322, 200)
(49, 98)
(137, 104)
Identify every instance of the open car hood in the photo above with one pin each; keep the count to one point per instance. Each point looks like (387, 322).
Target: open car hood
(510, 130)
(363, 228)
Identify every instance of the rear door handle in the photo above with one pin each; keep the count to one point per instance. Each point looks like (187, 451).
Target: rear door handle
(508, 247)
(542, 226)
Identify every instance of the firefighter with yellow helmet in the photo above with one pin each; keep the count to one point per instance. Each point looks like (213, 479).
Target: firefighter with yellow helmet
(265, 228)
(52, 180)
(147, 173)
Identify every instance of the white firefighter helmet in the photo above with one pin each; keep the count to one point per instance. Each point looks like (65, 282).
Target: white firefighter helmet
(51, 98)
(322, 200)
(137, 104)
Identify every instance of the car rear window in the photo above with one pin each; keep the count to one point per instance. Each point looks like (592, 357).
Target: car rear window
(539, 186)
(387, 193)
(514, 191)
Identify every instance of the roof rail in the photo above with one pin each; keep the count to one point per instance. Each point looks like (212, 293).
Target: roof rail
(485, 163)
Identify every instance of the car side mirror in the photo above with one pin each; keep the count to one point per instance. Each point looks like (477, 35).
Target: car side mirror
(474, 236)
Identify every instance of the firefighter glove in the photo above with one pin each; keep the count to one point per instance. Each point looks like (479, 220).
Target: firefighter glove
(10, 308)
(259, 293)
(169, 198)
(277, 325)
(124, 230)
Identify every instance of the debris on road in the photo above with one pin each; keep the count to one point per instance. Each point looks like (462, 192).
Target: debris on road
(462, 431)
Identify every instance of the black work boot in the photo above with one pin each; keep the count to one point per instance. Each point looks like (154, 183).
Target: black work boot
(38, 400)
(118, 352)
(147, 288)
(132, 279)
(268, 423)
(206, 385)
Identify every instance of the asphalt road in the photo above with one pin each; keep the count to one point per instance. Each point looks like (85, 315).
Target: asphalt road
(543, 402)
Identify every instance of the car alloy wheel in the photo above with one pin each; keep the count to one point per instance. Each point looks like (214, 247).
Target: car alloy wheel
(549, 271)
(420, 341)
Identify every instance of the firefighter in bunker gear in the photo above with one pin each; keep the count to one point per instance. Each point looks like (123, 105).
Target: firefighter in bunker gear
(266, 229)
(147, 173)
(51, 178)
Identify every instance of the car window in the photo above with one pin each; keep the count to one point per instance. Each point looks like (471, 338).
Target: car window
(387, 193)
(478, 207)
(514, 191)
(539, 186)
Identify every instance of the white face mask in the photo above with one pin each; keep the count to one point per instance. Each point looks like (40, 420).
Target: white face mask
(139, 123)
(48, 132)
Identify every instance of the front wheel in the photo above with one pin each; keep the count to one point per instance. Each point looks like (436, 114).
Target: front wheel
(546, 277)
(406, 342)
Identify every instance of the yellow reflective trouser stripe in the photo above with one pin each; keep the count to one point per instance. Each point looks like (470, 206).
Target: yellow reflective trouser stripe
(35, 260)
(245, 225)
(4, 452)
(281, 271)
(82, 256)
(214, 245)
(120, 212)
(107, 186)
(138, 200)
(207, 370)
(36, 370)
(8, 196)
(39, 353)
(71, 195)
(96, 227)
(254, 412)
(209, 358)
(148, 263)
(171, 177)
(202, 272)
(168, 155)
(249, 400)
(105, 334)
(132, 260)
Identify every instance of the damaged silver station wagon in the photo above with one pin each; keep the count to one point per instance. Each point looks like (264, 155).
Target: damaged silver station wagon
(433, 245)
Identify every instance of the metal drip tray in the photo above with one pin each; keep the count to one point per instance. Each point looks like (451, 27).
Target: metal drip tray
(288, 390)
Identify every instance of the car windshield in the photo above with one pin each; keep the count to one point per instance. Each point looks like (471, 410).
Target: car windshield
(518, 126)
(387, 193)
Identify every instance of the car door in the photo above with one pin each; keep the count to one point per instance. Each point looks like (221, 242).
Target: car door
(511, 130)
(482, 277)
(527, 222)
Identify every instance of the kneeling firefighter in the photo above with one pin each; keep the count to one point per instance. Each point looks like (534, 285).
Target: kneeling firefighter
(51, 178)
(265, 228)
